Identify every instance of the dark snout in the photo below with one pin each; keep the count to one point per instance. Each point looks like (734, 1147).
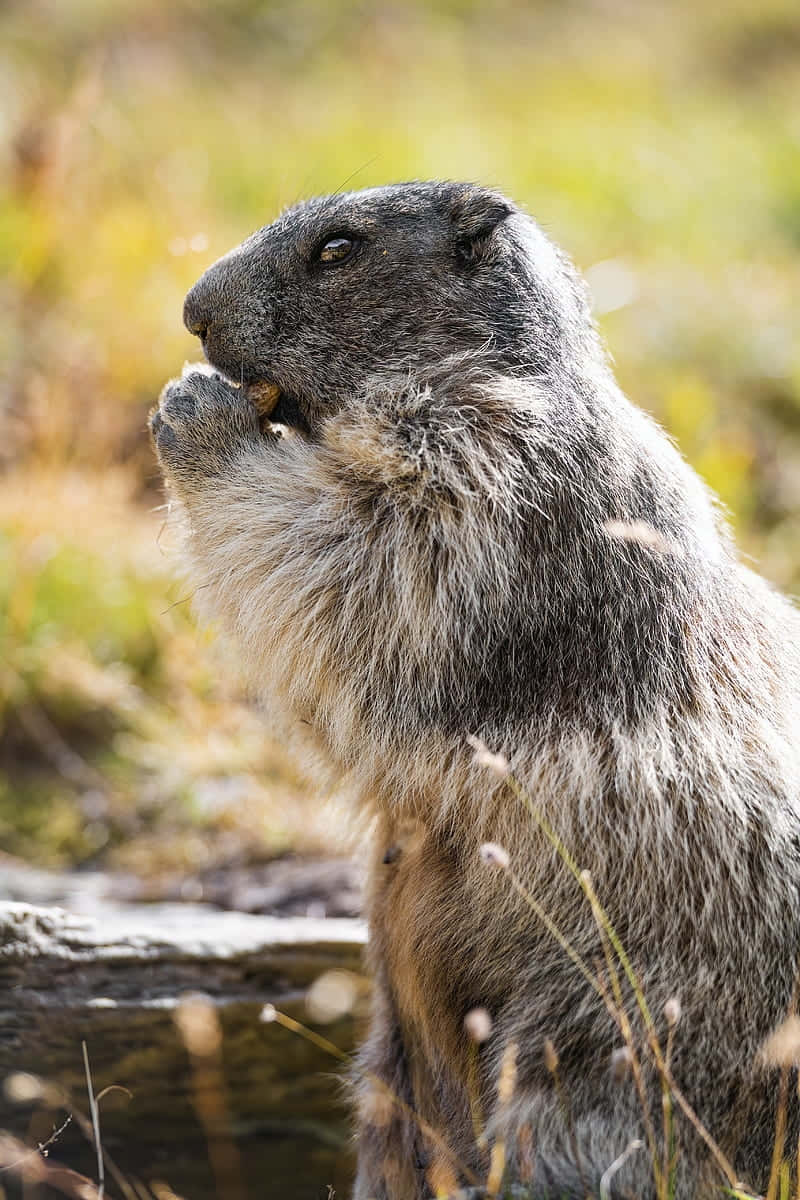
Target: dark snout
(208, 303)
(198, 311)
(229, 309)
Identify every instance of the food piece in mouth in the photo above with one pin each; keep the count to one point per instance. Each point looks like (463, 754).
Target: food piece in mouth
(279, 416)
(264, 396)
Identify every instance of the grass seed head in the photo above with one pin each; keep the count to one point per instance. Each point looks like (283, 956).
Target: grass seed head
(484, 757)
(494, 856)
(782, 1047)
(621, 1063)
(478, 1025)
(672, 1011)
(508, 1073)
(441, 1178)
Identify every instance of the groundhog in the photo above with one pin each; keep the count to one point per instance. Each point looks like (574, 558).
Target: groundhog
(489, 593)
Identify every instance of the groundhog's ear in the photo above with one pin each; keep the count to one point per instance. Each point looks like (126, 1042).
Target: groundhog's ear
(475, 214)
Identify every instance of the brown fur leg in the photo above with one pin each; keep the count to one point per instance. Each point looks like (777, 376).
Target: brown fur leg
(392, 1158)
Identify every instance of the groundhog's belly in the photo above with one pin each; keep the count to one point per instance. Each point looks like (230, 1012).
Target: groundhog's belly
(450, 940)
(435, 944)
(428, 953)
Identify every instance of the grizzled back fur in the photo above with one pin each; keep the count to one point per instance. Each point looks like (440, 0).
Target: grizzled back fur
(473, 531)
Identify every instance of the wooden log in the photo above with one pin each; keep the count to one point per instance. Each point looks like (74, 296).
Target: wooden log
(115, 981)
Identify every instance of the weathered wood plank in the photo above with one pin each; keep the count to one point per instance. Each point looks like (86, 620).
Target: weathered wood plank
(115, 979)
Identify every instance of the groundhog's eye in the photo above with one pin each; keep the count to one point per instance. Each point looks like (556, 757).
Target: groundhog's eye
(336, 250)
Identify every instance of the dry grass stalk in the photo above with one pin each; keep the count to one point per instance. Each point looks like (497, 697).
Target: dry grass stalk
(620, 1018)
(662, 1067)
(505, 1090)
(619, 1014)
(779, 1143)
(270, 1013)
(542, 915)
(616, 1165)
(125, 1185)
(19, 1159)
(32, 1166)
(162, 1190)
(441, 1179)
(604, 922)
(672, 1015)
(478, 1026)
(199, 1027)
(551, 1063)
(42, 1148)
(94, 1114)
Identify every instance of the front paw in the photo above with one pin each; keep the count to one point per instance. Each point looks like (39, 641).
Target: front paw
(200, 426)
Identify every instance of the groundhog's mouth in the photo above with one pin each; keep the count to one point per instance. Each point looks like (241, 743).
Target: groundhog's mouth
(264, 395)
(277, 410)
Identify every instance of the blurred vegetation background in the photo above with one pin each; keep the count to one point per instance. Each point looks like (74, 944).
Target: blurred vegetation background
(659, 143)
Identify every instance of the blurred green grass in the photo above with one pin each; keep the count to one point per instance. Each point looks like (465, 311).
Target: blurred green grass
(659, 144)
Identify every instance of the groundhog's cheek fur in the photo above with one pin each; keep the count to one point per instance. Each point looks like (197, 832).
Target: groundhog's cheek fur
(507, 548)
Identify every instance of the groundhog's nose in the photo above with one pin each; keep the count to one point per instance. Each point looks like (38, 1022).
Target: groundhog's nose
(196, 311)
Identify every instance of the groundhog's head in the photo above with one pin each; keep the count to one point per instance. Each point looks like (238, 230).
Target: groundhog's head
(345, 287)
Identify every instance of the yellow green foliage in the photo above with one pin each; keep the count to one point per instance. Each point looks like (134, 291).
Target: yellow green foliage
(659, 143)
